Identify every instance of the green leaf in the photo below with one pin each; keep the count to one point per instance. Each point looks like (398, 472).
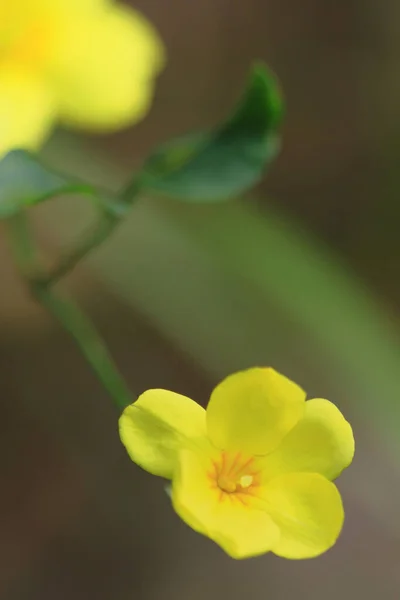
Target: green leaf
(25, 182)
(216, 166)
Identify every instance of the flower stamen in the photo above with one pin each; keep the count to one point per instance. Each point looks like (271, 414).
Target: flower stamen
(226, 484)
(232, 477)
(246, 481)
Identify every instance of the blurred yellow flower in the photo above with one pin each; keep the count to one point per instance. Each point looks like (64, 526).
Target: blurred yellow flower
(254, 472)
(87, 63)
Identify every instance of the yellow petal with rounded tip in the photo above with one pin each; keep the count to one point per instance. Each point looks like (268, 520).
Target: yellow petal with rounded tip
(231, 520)
(253, 410)
(104, 68)
(27, 111)
(322, 442)
(155, 427)
(308, 510)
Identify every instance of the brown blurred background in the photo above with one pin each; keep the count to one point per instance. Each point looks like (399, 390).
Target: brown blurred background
(186, 294)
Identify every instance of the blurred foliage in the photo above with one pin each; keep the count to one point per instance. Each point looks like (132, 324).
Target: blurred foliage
(202, 167)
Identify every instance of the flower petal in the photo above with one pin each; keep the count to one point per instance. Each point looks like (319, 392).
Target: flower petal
(253, 410)
(322, 442)
(242, 530)
(105, 67)
(155, 426)
(308, 511)
(27, 111)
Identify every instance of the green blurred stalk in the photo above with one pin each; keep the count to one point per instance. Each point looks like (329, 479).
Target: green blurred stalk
(66, 312)
(88, 340)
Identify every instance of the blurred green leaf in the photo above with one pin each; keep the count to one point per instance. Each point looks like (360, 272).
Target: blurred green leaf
(216, 166)
(25, 182)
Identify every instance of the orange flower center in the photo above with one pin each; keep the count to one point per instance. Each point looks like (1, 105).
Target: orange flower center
(234, 474)
(227, 485)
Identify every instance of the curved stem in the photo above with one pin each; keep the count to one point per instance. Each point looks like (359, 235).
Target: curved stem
(91, 240)
(111, 211)
(67, 313)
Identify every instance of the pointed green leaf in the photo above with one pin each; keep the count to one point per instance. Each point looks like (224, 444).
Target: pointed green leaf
(224, 163)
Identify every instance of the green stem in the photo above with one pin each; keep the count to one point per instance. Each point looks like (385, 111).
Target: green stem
(90, 343)
(67, 313)
(67, 263)
(112, 211)
(22, 245)
(131, 191)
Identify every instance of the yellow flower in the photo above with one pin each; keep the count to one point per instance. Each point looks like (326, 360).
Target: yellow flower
(88, 63)
(254, 471)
